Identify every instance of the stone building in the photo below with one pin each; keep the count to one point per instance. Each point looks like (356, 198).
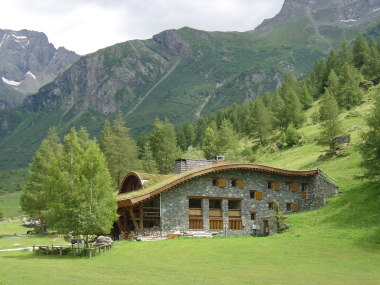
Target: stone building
(217, 197)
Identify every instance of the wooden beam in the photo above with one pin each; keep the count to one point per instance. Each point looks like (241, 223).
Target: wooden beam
(133, 218)
(125, 220)
(141, 212)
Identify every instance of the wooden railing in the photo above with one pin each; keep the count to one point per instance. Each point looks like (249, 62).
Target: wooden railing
(215, 212)
(195, 212)
(216, 224)
(196, 224)
(234, 213)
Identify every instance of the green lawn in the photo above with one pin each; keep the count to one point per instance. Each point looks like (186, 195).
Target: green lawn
(296, 259)
(10, 204)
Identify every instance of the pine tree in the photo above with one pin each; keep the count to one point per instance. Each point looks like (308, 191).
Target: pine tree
(370, 148)
(148, 162)
(345, 55)
(260, 120)
(37, 193)
(119, 149)
(372, 69)
(350, 92)
(210, 141)
(333, 86)
(291, 112)
(226, 138)
(305, 97)
(276, 109)
(330, 123)
(163, 143)
(360, 52)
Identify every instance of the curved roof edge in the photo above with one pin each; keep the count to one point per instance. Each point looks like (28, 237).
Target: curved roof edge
(215, 168)
(129, 174)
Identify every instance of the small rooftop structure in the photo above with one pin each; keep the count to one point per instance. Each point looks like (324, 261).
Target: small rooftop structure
(187, 164)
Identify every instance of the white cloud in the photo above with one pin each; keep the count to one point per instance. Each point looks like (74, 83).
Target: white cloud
(88, 25)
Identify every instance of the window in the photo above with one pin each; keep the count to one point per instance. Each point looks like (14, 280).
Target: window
(220, 182)
(233, 205)
(270, 184)
(304, 187)
(253, 216)
(270, 205)
(273, 185)
(254, 194)
(288, 207)
(195, 203)
(233, 182)
(215, 204)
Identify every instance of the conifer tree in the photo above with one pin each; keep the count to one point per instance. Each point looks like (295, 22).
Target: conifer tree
(370, 148)
(372, 69)
(226, 138)
(291, 112)
(333, 85)
(305, 97)
(345, 54)
(37, 193)
(119, 149)
(260, 120)
(330, 123)
(148, 162)
(360, 52)
(350, 92)
(276, 109)
(163, 143)
(210, 141)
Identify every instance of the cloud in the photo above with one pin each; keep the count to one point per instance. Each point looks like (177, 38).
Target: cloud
(87, 25)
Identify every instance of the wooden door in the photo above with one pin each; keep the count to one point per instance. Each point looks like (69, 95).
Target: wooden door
(266, 228)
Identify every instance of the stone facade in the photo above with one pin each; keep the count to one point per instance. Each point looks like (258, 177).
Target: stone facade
(310, 193)
(185, 164)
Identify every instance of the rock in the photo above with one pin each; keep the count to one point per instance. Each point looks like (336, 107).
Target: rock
(353, 128)
(343, 139)
(104, 240)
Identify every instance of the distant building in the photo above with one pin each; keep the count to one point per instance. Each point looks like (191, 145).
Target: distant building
(217, 197)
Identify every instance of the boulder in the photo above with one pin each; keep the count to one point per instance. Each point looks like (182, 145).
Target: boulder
(104, 240)
(343, 139)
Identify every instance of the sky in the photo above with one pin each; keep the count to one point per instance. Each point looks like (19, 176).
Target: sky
(85, 26)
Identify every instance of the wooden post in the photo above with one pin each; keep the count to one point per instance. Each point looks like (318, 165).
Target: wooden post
(130, 210)
(124, 220)
(141, 212)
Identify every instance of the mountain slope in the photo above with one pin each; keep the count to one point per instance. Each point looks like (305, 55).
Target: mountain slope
(178, 74)
(28, 61)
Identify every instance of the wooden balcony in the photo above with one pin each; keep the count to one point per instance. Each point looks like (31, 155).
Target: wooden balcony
(215, 212)
(195, 212)
(234, 213)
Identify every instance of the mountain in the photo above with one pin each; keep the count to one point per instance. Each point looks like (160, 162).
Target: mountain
(181, 74)
(27, 62)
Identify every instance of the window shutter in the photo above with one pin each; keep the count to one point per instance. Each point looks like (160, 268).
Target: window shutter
(294, 187)
(259, 195)
(240, 184)
(304, 195)
(276, 186)
(294, 207)
(222, 182)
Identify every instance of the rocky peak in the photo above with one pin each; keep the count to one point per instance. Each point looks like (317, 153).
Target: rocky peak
(28, 60)
(171, 40)
(336, 12)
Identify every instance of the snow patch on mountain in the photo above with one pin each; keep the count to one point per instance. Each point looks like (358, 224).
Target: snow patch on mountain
(11, 82)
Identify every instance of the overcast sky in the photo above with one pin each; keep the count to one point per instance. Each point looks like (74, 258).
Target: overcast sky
(88, 25)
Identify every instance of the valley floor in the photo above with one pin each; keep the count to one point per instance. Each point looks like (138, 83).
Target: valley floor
(313, 257)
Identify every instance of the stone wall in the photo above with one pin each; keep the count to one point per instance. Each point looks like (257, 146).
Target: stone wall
(174, 203)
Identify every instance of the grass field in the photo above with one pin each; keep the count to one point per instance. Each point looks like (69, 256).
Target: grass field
(10, 204)
(297, 257)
